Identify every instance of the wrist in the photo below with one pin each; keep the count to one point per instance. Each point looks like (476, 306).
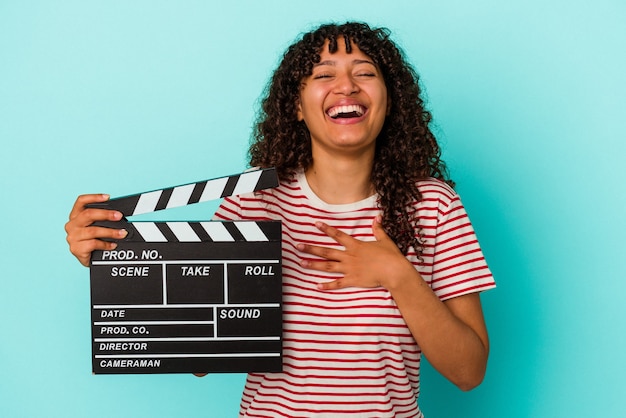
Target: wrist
(401, 275)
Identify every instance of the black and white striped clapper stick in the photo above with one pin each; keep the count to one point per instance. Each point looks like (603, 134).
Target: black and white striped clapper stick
(187, 194)
(182, 297)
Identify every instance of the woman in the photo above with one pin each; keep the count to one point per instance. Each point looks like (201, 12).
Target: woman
(380, 262)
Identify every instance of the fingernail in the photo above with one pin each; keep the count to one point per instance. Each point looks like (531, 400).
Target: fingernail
(122, 233)
(117, 216)
(300, 247)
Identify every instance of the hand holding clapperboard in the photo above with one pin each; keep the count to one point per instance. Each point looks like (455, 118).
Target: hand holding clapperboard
(176, 297)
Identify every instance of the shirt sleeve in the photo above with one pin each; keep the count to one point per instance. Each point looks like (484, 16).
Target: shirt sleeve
(229, 210)
(459, 266)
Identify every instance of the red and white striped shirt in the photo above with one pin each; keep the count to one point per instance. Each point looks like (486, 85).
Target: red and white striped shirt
(348, 352)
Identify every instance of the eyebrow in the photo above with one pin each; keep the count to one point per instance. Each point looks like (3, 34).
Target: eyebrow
(333, 63)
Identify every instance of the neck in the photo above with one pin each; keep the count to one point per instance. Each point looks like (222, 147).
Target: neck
(338, 181)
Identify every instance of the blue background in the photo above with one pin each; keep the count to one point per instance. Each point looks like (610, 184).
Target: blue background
(529, 101)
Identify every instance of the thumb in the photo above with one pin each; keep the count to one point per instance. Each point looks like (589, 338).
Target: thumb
(378, 230)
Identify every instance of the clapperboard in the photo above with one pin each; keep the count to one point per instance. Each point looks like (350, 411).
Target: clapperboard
(177, 297)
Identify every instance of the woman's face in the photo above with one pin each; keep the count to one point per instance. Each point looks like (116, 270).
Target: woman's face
(343, 102)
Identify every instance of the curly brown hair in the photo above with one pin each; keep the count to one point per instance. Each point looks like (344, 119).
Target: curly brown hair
(406, 149)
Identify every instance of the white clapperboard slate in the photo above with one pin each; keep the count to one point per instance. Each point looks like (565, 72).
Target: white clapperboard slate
(178, 297)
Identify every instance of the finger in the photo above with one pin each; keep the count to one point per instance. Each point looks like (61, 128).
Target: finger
(82, 250)
(335, 284)
(378, 230)
(98, 232)
(83, 241)
(322, 265)
(88, 216)
(79, 228)
(87, 239)
(322, 252)
(85, 199)
(339, 236)
(91, 215)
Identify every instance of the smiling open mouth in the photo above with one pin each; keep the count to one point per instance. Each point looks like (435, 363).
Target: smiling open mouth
(349, 111)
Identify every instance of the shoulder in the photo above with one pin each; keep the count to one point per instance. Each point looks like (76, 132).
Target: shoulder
(436, 191)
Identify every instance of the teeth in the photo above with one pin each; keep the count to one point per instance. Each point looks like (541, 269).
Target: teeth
(337, 110)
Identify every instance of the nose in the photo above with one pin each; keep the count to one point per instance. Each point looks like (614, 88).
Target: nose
(346, 84)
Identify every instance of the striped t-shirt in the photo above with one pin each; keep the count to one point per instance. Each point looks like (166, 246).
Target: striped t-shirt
(348, 352)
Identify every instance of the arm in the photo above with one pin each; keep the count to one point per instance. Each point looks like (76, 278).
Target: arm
(82, 237)
(451, 334)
